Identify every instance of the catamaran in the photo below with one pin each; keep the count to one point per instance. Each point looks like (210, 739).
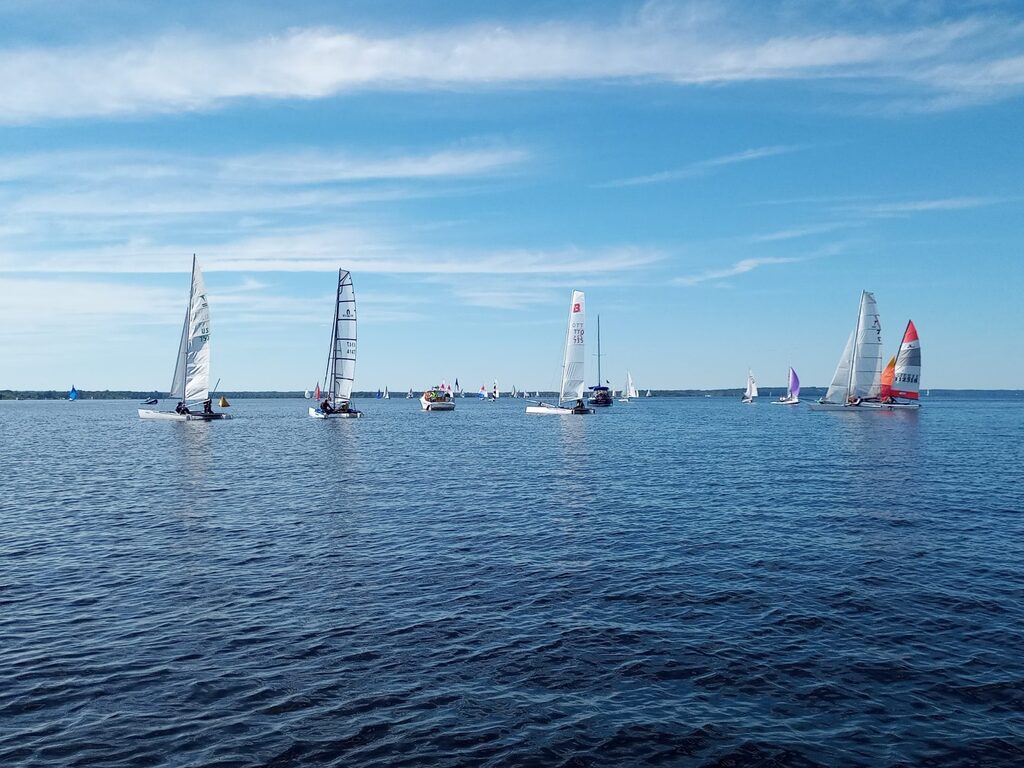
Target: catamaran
(191, 383)
(341, 356)
(792, 396)
(858, 375)
(573, 365)
(600, 395)
(629, 390)
(751, 391)
(901, 379)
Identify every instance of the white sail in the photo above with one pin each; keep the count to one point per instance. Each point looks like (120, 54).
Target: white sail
(192, 369)
(751, 392)
(341, 360)
(573, 362)
(865, 380)
(839, 389)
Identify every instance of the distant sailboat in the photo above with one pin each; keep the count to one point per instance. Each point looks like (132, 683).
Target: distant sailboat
(73, 394)
(410, 395)
(387, 395)
(495, 394)
(648, 393)
(306, 394)
(482, 394)
(316, 392)
(792, 396)
(751, 391)
(341, 356)
(629, 391)
(573, 365)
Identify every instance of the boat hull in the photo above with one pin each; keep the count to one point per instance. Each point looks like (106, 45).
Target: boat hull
(441, 405)
(173, 416)
(316, 413)
(543, 409)
(864, 407)
(787, 401)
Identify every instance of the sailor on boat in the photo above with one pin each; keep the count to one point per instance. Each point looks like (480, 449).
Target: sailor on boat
(181, 408)
(208, 406)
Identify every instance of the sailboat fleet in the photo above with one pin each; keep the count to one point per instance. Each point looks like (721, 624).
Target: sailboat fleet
(860, 383)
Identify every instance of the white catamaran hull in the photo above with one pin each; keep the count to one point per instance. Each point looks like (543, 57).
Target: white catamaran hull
(174, 416)
(787, 401)
(316, 413)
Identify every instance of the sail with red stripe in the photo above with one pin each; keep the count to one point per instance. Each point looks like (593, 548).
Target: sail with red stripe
(907, 376)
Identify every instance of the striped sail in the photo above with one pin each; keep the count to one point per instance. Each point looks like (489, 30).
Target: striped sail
(906, 381)
(573, 361)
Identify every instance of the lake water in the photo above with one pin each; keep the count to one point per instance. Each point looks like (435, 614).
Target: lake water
(676, 581)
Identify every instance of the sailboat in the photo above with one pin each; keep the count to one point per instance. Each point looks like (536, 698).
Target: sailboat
(191, 383)
(409, 395)
(629, 390)
(573, 365)
(601, 396)
(901, 378)
(387, 395)
(858, 374)
(73, 394)
(341, 356)
(316, 392)
(495, 394)
(306, 394)
(792, 396)
(648, 393)
(751, 391)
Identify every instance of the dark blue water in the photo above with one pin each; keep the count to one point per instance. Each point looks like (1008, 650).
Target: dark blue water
(677, 581)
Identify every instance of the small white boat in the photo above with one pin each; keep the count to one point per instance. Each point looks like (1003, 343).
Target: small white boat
(573, 366)
(629, 391)
(648, 393)
(387, 395)
(341, 356)
(751, 391)
(792, 396)
(437, 399)
(409, 395)
(191, 383)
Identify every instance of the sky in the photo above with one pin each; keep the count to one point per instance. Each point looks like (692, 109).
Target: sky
(722, 179)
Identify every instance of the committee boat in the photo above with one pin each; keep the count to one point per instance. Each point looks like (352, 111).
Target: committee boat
(341, 356)
(191, 383)
(573, 366)
(751, 391)
(437, 399)
(792, 396)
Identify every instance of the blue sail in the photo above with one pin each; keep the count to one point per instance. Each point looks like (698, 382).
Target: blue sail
(73, 394)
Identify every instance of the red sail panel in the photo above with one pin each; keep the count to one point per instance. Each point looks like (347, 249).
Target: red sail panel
(887, 376)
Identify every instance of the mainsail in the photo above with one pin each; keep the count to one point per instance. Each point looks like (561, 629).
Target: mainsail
(867, 360)
(751, 385)
(907, 379)
(885, 382)
(341, 360)
(573, 362)
(192, 369)
(839, 389)
(630, 390)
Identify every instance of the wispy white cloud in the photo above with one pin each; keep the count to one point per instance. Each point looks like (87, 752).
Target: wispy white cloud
(906, 207)
(799, 232)
(976, 57)
(739, 268)
(700, 167)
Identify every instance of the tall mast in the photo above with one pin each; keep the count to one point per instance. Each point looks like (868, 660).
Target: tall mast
(188, 331)
(599, 379)
(332, 357)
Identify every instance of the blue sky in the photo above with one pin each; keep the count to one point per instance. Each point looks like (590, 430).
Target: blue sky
(722, 179)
